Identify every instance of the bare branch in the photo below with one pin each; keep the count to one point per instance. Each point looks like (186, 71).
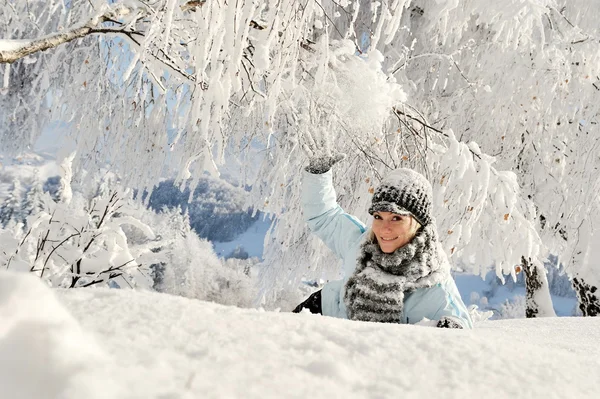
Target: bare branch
(54, 249)
(111, 270)
(399, 112)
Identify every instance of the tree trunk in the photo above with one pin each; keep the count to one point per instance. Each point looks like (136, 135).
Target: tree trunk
(538, 301)
(587, 295)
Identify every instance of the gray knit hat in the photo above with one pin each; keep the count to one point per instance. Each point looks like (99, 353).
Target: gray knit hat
(404, 191)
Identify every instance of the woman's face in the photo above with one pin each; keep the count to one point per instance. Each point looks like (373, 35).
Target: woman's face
(393, 231)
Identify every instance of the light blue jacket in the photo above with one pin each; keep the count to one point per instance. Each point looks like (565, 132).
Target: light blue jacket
(343, 234)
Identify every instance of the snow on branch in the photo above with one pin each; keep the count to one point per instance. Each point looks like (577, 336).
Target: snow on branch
(242, 83)
(121, 15)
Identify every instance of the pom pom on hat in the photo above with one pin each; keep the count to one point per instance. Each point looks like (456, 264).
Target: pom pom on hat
(404, 191)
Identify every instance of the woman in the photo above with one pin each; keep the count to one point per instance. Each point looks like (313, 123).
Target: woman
(394, 272)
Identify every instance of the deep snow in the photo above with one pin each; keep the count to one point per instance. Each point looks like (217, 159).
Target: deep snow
(131, 344)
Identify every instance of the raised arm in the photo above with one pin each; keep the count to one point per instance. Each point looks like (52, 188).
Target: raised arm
(338, 230)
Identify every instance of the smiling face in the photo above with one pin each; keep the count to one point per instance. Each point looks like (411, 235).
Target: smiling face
(393, 231)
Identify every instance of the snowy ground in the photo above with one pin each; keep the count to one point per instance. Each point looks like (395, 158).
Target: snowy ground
(101, 343)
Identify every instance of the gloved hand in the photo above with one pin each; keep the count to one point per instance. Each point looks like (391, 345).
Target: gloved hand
(448, 322)
(319, 164)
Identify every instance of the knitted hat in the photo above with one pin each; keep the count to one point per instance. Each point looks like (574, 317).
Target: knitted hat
(404, 191)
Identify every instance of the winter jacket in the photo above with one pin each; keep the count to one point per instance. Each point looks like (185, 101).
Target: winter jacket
(343, 234)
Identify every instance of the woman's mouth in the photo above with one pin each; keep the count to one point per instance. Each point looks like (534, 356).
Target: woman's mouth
(388, 239)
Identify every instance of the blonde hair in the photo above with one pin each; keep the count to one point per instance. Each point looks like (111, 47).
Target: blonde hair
(415, 226)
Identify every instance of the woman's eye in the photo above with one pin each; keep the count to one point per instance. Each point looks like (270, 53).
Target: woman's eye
(397, 218)
(377, 217)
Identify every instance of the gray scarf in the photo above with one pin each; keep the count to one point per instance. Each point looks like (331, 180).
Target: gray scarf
(376, 289)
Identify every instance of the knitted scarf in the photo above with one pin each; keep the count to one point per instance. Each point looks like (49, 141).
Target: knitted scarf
(376, 289)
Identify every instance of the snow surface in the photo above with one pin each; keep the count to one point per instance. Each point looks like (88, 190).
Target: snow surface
(132, 344)
(44, 352)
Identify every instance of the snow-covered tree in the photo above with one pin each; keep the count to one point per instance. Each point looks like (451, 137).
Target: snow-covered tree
(189, 266)
(35, 200)
(10, 209)
(520, 79)
(217, 210)
(25, 85)
(494, 102)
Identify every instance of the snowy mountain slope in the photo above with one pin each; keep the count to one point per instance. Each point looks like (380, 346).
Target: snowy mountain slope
(251, 240)
(158, 346)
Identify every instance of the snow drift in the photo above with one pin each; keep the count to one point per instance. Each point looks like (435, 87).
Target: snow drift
(44, 353)
(135, 344)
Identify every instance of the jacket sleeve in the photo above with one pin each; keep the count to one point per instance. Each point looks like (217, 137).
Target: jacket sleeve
(325, 218)
(435, 303)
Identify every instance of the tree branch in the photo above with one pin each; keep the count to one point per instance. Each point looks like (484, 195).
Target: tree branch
(17, 49)
(54, 249)
(399, 112)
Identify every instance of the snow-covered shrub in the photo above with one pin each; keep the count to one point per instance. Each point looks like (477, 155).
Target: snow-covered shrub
(189, 266)
(217, 210)
(77, 243)
(241, 289)
(514, 309)
(99, 235)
